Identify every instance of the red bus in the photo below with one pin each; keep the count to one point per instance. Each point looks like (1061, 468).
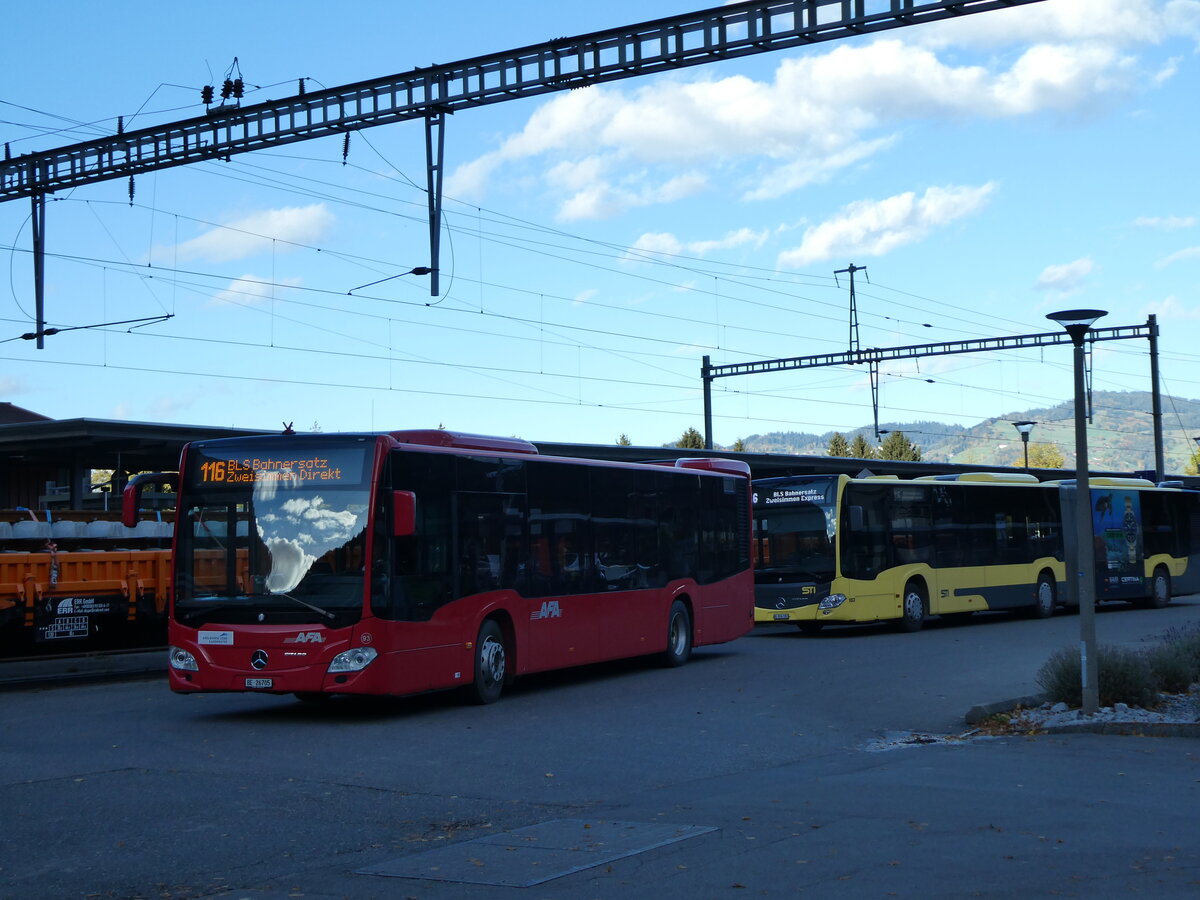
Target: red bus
(421, 560)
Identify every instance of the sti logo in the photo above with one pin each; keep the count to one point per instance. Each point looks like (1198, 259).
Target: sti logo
(549, 610)
(306, 637)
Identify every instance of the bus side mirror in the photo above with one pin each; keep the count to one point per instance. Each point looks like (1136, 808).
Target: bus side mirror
(856, 518)
(131, 497)
(404, 513)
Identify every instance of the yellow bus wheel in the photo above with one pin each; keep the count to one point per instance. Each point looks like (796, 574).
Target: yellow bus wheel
(1045, 598)
(914, 609)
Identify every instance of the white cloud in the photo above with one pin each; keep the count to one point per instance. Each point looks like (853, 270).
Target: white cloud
(655, 243)
(1115, 22)
(261, 232)
(164, 409)
(250, 289)
(1178, 256)
(1065, 277)
(667, 244)
(1172, 308)
(875, 227)
(1169, 223)
(610, 150)
(739, 238)
(1168, 70)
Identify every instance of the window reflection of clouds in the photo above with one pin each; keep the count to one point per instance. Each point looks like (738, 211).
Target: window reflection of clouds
(298, 529)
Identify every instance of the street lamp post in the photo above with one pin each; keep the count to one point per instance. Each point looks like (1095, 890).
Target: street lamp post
(1077, 323)
(1025, 428)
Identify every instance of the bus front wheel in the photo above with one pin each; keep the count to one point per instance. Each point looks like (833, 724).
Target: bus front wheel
(491, 663)
(679, 635)
(1160, 589)
(1045, 599)
(914, 609)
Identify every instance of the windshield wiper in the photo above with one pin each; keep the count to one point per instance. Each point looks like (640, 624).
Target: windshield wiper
(326, 613)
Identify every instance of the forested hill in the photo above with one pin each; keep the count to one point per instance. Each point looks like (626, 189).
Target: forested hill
(1120, 438)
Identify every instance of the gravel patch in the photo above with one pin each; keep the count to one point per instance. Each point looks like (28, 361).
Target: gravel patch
(1177, 715)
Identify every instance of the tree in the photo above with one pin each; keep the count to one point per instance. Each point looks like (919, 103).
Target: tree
(739, 446)
(691, 440)
(860, 449)
(897, 446)
(1044, 456)
(1193, 464)
(838, 445)
(623, 440)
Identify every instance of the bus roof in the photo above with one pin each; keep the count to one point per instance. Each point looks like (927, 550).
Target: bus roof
(997, 477)
(437, 437)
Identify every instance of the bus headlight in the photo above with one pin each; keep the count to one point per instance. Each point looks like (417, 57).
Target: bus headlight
(833, 601)
(352, 660)
(181, 659)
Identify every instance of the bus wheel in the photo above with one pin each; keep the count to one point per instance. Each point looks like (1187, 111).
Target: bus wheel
(915, 609)
(490, 663)
(679, 635)
(1045, 599)
(1160, 589)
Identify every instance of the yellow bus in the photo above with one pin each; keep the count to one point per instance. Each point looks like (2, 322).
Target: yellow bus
(831, 549)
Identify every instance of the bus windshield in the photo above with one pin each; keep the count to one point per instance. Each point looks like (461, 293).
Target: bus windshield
(795, 529)
(273, 535)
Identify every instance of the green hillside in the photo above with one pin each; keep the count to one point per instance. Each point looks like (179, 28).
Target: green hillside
(1120, 437)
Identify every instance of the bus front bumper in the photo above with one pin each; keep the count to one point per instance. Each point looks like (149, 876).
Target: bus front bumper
(807, 613)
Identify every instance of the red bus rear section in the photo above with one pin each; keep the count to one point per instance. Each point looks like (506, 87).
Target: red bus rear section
(424, 560)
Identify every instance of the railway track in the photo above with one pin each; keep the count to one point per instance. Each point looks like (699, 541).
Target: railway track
(74, 668)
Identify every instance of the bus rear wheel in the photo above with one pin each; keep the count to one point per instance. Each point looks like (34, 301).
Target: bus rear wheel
(491, 663)
(679, 635)
(1045, 598)
(1160, 589)
(914, 608)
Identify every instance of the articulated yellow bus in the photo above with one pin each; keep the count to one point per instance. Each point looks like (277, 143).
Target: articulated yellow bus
(830, 549)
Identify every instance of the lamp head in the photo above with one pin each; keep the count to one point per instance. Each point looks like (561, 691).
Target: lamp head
(1076, 322)
(1024, 428)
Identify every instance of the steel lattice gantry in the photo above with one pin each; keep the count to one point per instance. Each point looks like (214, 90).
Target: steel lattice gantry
(430, 93)
(874, 356)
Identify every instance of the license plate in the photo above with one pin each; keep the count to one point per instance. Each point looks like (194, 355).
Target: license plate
(259, 682)
(780, 617)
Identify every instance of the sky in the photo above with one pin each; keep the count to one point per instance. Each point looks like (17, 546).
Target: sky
(598, 243)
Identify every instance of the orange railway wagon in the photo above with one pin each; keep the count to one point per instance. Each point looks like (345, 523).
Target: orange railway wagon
(71, 583)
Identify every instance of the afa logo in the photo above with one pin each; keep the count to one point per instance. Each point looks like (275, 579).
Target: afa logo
(306, 637)
(549, 610)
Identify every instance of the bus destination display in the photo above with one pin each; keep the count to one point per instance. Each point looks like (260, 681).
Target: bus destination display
(338, 467)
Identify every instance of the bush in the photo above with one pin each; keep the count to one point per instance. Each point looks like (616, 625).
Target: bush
(1059, 678)
(1176, 661)
(1174, 667)
(1125, 677)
